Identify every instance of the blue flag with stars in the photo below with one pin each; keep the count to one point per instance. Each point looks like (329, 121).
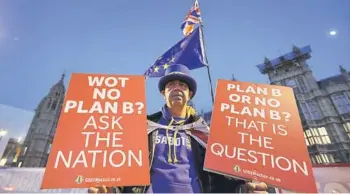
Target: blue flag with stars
(189, 51)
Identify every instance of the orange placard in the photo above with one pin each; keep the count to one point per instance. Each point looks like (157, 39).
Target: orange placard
(101, 137)
(256, 134)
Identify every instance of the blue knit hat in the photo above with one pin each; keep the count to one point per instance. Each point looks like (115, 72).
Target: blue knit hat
(178, 72)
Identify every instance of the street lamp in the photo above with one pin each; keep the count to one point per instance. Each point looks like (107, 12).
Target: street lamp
(3, 132)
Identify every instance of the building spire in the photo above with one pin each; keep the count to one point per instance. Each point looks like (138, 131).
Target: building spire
(268, 64)
(60, 85)
(342, 69)
(296, 50)
(233, 78)
(63, 75)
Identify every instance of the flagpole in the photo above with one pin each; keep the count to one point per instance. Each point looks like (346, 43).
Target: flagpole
(205, 55)
(207, 65)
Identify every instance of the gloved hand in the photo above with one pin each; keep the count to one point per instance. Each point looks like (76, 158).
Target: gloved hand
(254, 187)
(102, 189)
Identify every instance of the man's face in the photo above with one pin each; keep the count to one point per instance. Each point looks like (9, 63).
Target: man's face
(176, 93)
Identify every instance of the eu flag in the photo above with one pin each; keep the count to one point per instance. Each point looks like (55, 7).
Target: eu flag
(189, 51)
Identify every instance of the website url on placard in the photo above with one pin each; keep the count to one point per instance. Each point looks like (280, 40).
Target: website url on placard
(101, 180)
(255, 173)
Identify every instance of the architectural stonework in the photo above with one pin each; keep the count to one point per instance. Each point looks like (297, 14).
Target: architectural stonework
(12, 150)
(324, 105)
(37, 144)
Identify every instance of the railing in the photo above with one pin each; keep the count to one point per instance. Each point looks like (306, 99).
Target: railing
(24, 180)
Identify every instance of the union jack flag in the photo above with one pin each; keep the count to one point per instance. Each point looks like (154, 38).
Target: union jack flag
(192, 18)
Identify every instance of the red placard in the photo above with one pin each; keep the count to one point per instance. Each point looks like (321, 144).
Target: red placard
(101, 138)
(256, 134)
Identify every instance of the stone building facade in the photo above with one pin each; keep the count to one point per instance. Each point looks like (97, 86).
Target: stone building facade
(37, 144)
(11, 153)
(324, 105)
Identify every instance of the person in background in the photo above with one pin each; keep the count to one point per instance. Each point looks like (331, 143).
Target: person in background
(177, 156)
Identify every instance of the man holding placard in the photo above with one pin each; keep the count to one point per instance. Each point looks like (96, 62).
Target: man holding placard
(177, 143)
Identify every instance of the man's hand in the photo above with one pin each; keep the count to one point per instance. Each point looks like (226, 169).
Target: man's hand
(256, 187)
(102, 189)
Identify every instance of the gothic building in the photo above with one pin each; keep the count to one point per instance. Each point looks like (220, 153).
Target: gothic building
(37, 144)
(324, 105)
(11, 152)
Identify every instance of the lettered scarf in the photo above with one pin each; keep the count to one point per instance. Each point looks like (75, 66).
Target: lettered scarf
(199, 130)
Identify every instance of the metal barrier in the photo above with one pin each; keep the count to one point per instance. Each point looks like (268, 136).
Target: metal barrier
(27, 180)
(332, 178)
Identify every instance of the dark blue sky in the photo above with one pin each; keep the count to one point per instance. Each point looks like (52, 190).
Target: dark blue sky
(41, 39)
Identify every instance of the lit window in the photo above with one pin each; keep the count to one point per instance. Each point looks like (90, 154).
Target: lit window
(313, 160)
(3, 161)
(314, 132)
(311, 141)
(318, 140)
(25, 150)
(306, 140)
(347, 128)
(49, 149)
(331, 157)
(308, 133)
(317, 136)
(322, 131)
(325, 158)
(318, 158)
(326, 140)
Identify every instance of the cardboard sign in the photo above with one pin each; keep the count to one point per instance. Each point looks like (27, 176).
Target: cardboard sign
(256, 134)
(101, 138)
